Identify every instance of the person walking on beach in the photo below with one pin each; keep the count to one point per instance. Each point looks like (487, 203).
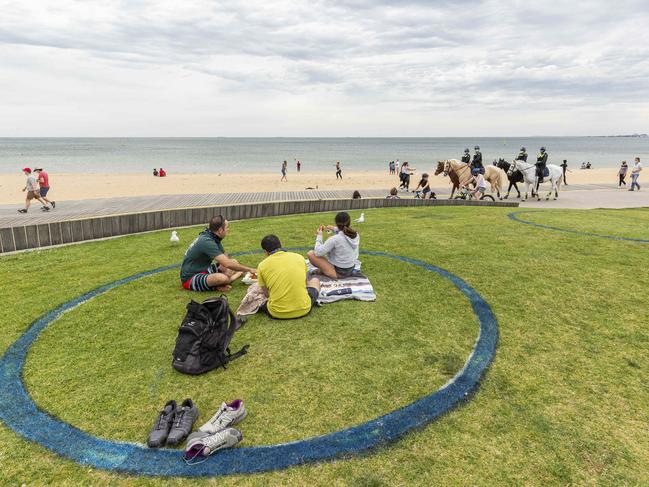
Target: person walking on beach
(31, 186)
(635, 174)
(284, 166)
(564, 166)
(339, 171)
(396, 168)
(622, 174)
(44, 185)
(298, 166)
(522, 155)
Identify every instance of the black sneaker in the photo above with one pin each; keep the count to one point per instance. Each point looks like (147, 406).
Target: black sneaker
(53, 203)
(158, 435)
(184, 420)
(24, 210)
(45, 208)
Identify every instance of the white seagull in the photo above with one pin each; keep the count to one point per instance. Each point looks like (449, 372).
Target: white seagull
(174, 237)
(361, 219)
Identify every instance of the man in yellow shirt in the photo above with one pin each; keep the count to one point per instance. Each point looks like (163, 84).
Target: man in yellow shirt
(282, 277)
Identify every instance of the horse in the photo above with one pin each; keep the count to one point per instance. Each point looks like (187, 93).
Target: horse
(528, 169)
(514, 177)
(460, 175)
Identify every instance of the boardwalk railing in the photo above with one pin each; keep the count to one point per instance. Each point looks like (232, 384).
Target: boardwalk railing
(63, 232)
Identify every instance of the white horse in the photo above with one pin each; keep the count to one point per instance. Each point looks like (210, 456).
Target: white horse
(528, 169)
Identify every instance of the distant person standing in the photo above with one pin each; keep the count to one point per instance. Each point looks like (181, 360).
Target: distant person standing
(466, 158)
(622, 174)
(31, 186)
(162, 173)
(564, 166)
(522, 155)
(284, 167)
(635, 174)
(155, 172)
(44, 185)
(339, 171)
(396, 167)
(298, 166)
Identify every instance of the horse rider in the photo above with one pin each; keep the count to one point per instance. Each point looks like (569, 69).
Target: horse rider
(476, 163)
(541, 161)
(522, 155)
(466, 158)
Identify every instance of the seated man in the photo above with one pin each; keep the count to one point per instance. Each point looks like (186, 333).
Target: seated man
(206, 266)
(282, 277)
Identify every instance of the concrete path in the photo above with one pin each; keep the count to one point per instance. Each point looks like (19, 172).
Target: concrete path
(574, 196)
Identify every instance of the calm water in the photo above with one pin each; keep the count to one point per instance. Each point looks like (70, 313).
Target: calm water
(195, 155)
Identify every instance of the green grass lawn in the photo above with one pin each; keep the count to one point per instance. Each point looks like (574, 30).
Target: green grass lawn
(566, 400)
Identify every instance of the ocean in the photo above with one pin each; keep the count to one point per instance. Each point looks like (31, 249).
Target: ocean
(226, 155)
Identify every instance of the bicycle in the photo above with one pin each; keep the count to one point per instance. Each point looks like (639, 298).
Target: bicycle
(465, 194)
(419, 195)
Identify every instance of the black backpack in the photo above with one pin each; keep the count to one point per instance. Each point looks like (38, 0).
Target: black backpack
(204, 337)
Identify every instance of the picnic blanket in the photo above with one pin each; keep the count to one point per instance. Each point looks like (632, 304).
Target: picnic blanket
(356, 287)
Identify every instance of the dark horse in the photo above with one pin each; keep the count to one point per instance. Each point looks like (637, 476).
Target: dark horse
(514, 177)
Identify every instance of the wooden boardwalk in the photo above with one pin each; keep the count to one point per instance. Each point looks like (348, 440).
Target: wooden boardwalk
(75, 210)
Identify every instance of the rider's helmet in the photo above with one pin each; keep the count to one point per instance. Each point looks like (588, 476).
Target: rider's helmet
(466, 151)
(477, 147)
(425, 175)
(542, 149)
(475, 171)
(523, 149)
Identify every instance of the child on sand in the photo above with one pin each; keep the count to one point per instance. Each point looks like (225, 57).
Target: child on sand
(339, 172)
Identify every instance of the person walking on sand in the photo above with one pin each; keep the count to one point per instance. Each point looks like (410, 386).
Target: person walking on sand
(622, 174)
(564, 166)
(284, 166)
(31, 186)
(635, 174)
(298, 165)
(339, 171)
(44, 185)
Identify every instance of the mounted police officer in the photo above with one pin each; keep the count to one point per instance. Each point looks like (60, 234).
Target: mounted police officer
(476, 163)
(466, 158)
(522, 155)
(541, 161)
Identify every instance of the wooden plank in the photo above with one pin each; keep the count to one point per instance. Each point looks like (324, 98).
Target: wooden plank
(31, 232)
(7, 237)
(44, 239)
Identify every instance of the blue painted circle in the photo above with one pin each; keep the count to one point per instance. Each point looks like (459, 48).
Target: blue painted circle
(22, 415)
(514, 216)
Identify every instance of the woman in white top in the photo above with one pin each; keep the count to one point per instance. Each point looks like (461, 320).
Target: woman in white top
(635, 174)
(336, 257)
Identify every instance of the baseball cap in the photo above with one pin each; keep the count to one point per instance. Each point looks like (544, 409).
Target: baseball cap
(26, 169)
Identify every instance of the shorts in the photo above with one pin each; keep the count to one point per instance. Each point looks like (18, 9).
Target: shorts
(198, 282)
(344, 272)
(313, 296)
(480, 190)
(44, 191)
(426, 190)
(33, 194)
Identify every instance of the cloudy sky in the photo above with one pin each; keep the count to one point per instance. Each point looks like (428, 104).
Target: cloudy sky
(337, 68)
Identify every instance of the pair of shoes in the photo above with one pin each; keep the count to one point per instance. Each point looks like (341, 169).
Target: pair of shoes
(217, 433)
(24, 210)
(173, 424)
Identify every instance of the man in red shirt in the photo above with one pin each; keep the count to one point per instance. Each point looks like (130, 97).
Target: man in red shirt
(44, 184)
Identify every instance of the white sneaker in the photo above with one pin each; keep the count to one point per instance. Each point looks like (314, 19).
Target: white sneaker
(228, 415)
(201, 445)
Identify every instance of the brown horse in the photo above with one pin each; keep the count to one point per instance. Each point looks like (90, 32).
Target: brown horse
(460, 175)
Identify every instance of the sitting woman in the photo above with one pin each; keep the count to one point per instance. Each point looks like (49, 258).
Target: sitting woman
(336, 257)
(393, 194)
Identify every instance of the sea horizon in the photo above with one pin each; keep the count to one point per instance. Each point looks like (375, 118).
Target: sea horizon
(220, 154)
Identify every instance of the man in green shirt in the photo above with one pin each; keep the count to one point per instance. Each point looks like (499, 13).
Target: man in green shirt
(206, 266)
(283, 278)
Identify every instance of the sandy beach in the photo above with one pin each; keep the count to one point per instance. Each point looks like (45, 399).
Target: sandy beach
(89, 186)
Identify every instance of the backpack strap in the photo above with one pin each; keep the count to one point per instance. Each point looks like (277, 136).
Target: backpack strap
(232, 327)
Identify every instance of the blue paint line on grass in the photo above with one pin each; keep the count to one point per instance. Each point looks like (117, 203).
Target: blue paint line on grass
(514, 216)
(19, 412)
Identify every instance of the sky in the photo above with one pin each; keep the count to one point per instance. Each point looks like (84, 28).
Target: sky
(338, 68)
